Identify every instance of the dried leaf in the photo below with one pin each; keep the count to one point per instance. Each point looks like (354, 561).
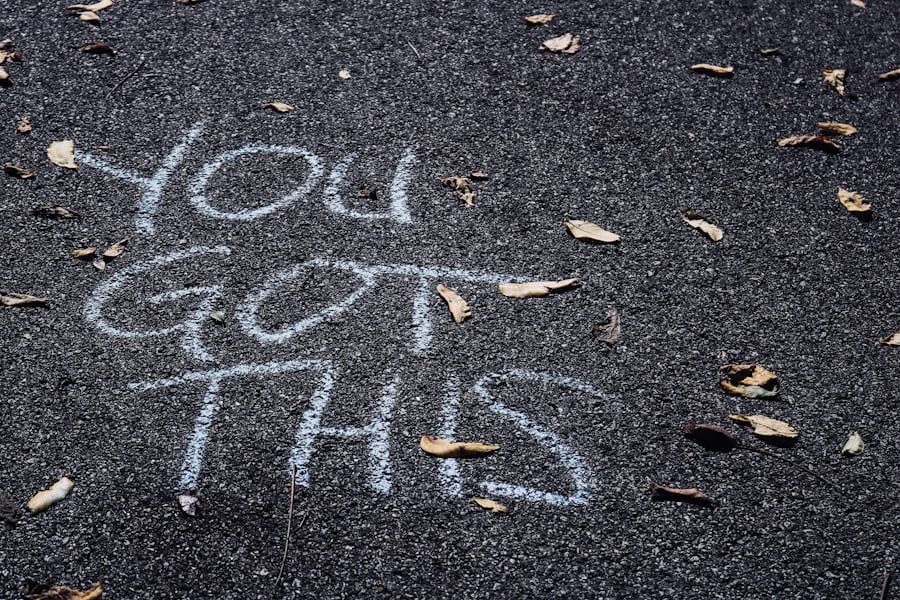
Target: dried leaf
(54, 212)
(188, 504)
(770, 51)
(490, 504)
(97, 48)
(24, 125)
(463, 188)
(17, 171)
(661, 493)
(699, 222)
(610, 330)
(539, 19)
(891, 340)
(837, 128)
(279, 107)
(34, 591)
(447, 449)
(767, 427)
(458, 307)
(47, 498)
(189, 2)
(103, 4)
(90, 17)
(853, 202)
(711, 437)
(4, 76)
(853, 446)
(9, 512)
(716, 70)
(585, 230)
(218, 316)
(99, 263)
(566, 44)
(535, 289)
(62, 154)
(115, 250)
(890, 75)
(84, 252)
(478, 175)
(858, 3)
(749, 381)
(14, 299)
(835, 78)
(344, 74)
(820, 142)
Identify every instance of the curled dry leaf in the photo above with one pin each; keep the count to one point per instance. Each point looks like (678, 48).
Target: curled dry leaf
(837, 128)
(853, 201)
(24, 125)
(447, 449)
(279, 107)
(699, 222)
(478, 176)
(84, 253)
(661, 493)
(97, 6)
(115, 250)
(539, 19)
(490, 504)
(344, 74)
(47, 498)
(585, 230)
(820, 142)
(770, 51)
(708, 69)
(835, 78)
(858, 3)
(610, 330)
(97, 48)
(891, 340)
(463, 188)
(749, 381)
(535, 289)
(14, 299)
(9, 512)
(767, 427)
(99, 263)
(711, 437)
(62, 154)
(565, 44)
(35, 591)
(890, 75)
(458, 307)
(18, 171)
(188, 504)
(90, 17)
(853, 446)
(54, 212)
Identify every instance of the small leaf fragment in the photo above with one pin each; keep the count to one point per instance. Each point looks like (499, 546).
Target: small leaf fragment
(853, 201)
(19, 171)
(54, 212)
(115, 250)
(539, 19)
(749, 381)
(700, 223)
(218, 316)
(891, 340)
(24, 125)
(458, 307)
(62, 154)
(279, 107)
(835, 78)
(853, 446)
(820, 142)
(711, 437)
(610, 330)
(89, 17)
(770, 51)
(890, 75)
(98, 6)
(15, 299)
(4, 75)
(99, 263)
(84, 252)
(585, 230)
(767, 427)
(36, 591)
(188, 504)
(536, 289)
(478, 176)
(463, 188)
(344, 74)
(47, 498)
(661, 493)
(858, 3)
(565, 44)
(837, 128)
(97, 48)
(716, 70)
(189, 2)
(447, 449)
(490, 504)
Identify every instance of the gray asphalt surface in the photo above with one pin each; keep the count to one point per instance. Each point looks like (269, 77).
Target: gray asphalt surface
(621, 133)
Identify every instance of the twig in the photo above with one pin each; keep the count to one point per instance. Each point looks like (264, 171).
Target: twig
(287, 537)
(127, 77)
(419, 56)
(790, 462)
(886, 584)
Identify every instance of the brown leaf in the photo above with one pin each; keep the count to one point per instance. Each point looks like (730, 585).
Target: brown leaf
(585, 230)
(750, 381)
(853, 202)
(97, 48)
(610, 330)
(54, 212)
(891, 340)
(490, 504)
(62, 154)
(858, 3)
(890, 75)
(447, 449)
(9, 512)
(279, 107)
(835, 78)
(711, 437)
(115, 250)
(17, 171)
(24, 125)
(98, 6)
(463, 188)
(837, 128)
(35, 591)
(90, 17)
(766, 427)
(535, 289)
(566, 44)
(458, 307)
(14, 299)
(478, 175)
(539, 19)
(820, 142)
(84, 252)
(708, 69)
(661, 493)
(770, 51)
(700, 223)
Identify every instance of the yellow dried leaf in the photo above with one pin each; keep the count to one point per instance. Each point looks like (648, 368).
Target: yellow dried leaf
(90, 17)
(539, 19)
(585, 230)
(62, 154)
(890, 75)
(853, 446)
(891, 340)
(84, 252)
(566, 44)
(814, 141)
(458, 307)
(835, 78)
(750, 381)
(853, 202)
(36, 591)
(767, 427)
(463, 188)
(115, 250)
(713, 70)
(535, 289)
(24, 125)
(279, 107)
(47, 498)
(447, 449)
(858, 3)
(103, 4)
(837, 128)
(700, 223)
(344, 74)
(490, 504)
(15, 299)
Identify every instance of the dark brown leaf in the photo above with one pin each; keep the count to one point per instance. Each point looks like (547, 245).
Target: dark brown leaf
(661, 493)
(610, 330)
(9, 512)
(44, 591)
(54, 212)
(711, 437)
(97, 48)
(18, 171)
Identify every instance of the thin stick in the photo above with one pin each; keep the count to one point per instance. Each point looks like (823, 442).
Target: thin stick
(287, 537)
(886, 584)
(790, 462)
(419, 56)
(127, 77)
